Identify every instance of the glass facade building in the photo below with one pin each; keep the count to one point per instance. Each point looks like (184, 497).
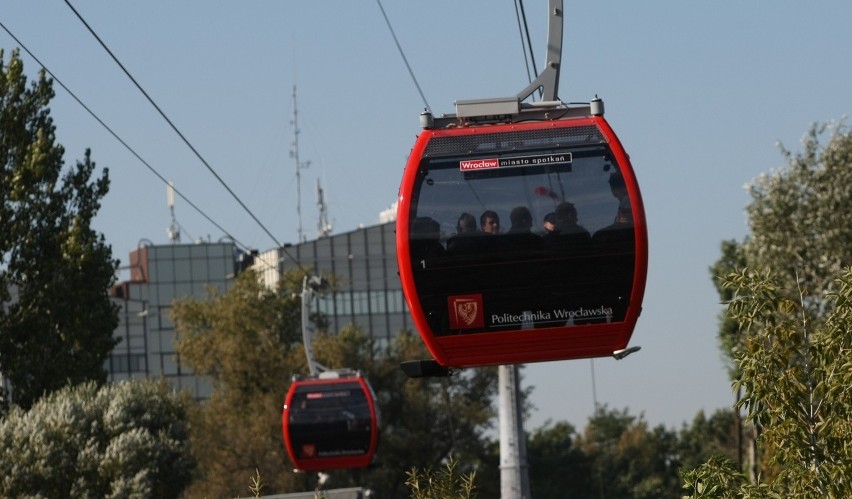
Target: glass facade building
(363, 261)
(158, 276)
(368, 294)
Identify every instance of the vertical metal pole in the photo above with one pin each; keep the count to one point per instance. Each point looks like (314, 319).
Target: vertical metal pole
(514, 473)
(594, 387)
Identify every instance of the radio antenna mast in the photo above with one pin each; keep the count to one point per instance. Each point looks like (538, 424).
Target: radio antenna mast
(294, 153)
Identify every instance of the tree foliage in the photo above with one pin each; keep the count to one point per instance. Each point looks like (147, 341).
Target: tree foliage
(708, 437)
(627, 458)
(798, 225)
(798, 216)
(247, 341)
(620, 455)
(128, 439)
(799, 232)
(733, 258)
(557, 466)
(56, 318)
(796, 374)
(445, 483)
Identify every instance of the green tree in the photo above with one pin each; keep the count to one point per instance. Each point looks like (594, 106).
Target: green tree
(707, 437)
(627, 458)
(733, 257)
(443, 484)
(796, 377)
(798, 230)
(247, 340)
(798, 216)
(127, 439)
(558, 467)
(56, 318)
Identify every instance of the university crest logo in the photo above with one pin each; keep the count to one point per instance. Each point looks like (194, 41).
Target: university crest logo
(466, 311)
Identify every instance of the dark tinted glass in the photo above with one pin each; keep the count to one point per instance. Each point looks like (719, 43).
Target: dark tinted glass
(564, 251)
(330, 420)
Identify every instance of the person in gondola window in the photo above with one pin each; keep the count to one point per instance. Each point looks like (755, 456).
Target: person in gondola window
(520, 235)
(549, 223)
(489, 222)
(425, 239)
(467, 237)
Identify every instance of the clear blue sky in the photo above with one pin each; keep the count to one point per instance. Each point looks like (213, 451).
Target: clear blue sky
(699, 93)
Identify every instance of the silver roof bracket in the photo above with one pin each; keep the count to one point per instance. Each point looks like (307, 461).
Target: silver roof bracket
(548, 80)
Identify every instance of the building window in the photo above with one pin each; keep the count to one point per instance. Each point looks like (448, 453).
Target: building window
(128, 363)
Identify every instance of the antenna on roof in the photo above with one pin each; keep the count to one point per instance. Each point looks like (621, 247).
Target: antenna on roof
(174, 228)
(323, 225)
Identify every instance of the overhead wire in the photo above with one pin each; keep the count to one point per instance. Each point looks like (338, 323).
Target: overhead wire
(173, 126)
(524, 45)
(523, 28)
(528, 50)
(404, 59)
(526, 32)
(111, 131)
(119, 138)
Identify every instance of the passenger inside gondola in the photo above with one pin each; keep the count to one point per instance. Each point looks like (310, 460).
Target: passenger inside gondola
(568, 235)
(468, 237)
(549, 223)
(425, 241)
(621, 230)
(489, 222)
(520, 236)
(616, 244)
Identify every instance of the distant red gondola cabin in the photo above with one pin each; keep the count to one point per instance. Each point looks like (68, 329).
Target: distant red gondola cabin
(330, 423)
(563, 275)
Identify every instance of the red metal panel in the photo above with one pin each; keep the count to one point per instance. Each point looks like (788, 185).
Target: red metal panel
(312, 456)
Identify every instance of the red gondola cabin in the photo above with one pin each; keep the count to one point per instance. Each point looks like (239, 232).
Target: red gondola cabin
(526, 292)
(330, 423)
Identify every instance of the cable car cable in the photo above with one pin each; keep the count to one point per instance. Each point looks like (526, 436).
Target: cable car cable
(186, 141)
(523, 45)
(172, 125)
(111, 131)
(404, 59)
(122, 141)
(529, 42)
(529, 48)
